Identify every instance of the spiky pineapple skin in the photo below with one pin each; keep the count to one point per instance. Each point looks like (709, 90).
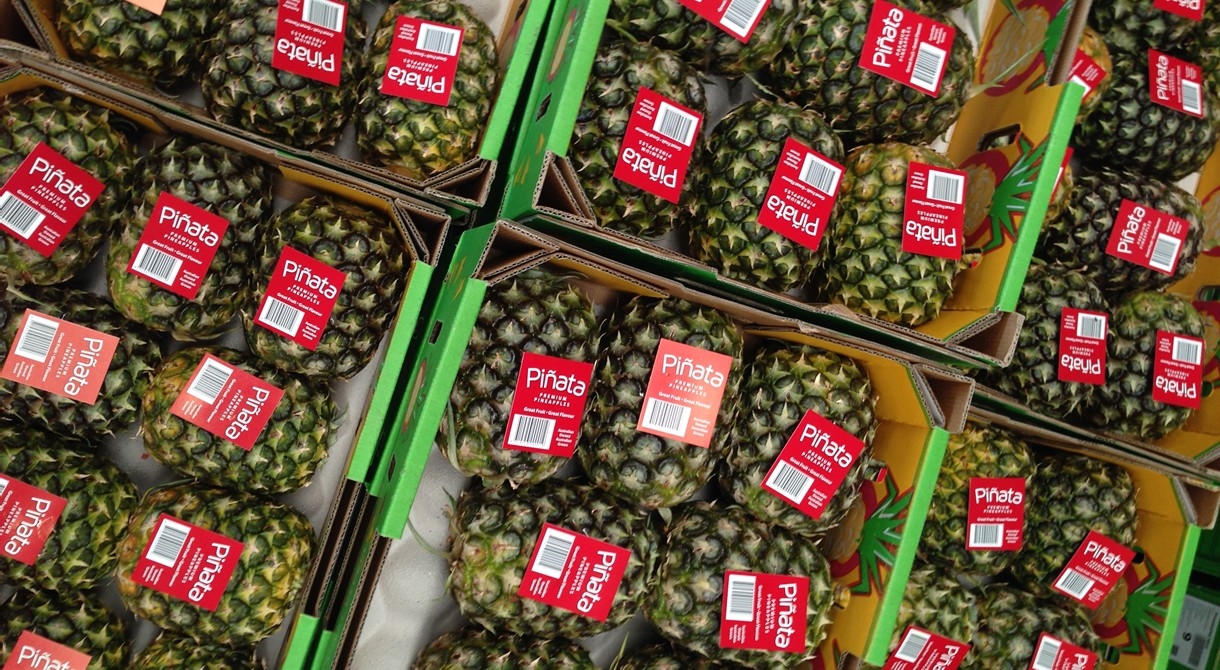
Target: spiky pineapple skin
(934, 601)
(493, 536)
(642, 468)
(779, 386)
(537, 312)
(215, 178)
(866, 269)
(242, 88)
(367, 246)
(1094, 46)
(478, 649)
(278, 549)
(1131, 25)
(88, 135)
(419, 139)
(1010, 622)
(667, 656)
(620, 70)
(730, 187)
(77, 620)
(284, 458)
(179, 651)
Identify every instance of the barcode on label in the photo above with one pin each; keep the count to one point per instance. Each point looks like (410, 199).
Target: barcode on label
(790, 482)
(531, 431)
(553, 553)
(36, 339)
(929, 63)
(1198, 646)
(1192, 99)
(19, 216)
(1074, 583)
(741, 598)
(986, 535)
(3, 486)
(210, 381)
(167, 543)
(1091, 326)
(675, 124)
(323, 13)
(1165, 252)
(1187, 351)
(438, 39)
(666, 417)
(819, 174)
(281, 316)
(157, 264)
(1048, 651)
(946, 187)
(740, 15)
(912, 646)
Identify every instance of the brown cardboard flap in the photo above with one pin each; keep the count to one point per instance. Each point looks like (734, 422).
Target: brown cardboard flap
(952, 393)
(337, 543)
(995, 335)
(558, 193)
(39, 22)
(1204, 502)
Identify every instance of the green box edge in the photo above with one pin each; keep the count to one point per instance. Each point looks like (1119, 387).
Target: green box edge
(515, 78)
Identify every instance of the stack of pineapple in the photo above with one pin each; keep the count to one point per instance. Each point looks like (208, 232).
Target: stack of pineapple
(63, 447)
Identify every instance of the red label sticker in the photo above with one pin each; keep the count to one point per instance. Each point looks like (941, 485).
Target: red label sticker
(574, 572)
(35, 652)
(924, 650)
(27, 516)
(177, 245)
(229, 403)
(658, 145)
(935, 211)
(44, 199)
(684, 393)
(423, 61)
(1086, 72)
(764, 612)
(1175, 83)
(59, 357)
(802, 195)
(906, 47)
(1147, 237)
(995, 514)
(813, 464)
(738, 18)
(548, 405)
(1177, 370)
(1093, 570)
(1191, 9)
(187, 562)
(154, 6)
(309, 39)
(1082, 346)
(300, 297)
(1052, 653)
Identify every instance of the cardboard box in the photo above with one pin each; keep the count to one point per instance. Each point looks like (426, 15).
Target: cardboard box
(1195, 647)
(978, 326)
(331, 501)
(516, 24)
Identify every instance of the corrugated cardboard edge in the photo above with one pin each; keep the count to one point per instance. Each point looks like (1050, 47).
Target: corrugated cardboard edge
(558, 193)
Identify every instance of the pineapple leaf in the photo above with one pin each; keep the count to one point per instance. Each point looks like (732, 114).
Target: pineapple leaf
(1147, 607)
(882, 532)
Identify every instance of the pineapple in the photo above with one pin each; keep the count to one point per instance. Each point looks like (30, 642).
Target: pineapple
(474, 648)
(934, 601)
(704, 541)
(642, 468)
(1011, 621)
(667, 656)
(980, 450)
(783, 382)
(89, 136)
(1033, 375)
(730, 188)
(866, 268)
(1079, 236)
(818, 68)
(1124, 404)
(241, 88)
(536, 311)
(1071, 495)
(1094, 46)
(76, 620)
(169, 650)
(418, 139)
(493, 536)
(620, 70)
(214, 178)
(1135, 25)
(287, 453)
(122, 38)
(79, 553)
(279, 546)
(128, 376)
(364, 244)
